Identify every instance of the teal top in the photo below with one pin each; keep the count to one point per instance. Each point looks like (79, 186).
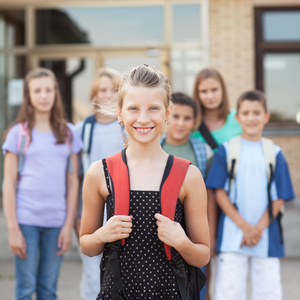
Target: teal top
(229, 130)
(185, 151)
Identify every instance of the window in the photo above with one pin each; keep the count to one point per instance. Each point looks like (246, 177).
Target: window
(186, 63)
(12, 71)
(12, 28)
(281, 26)
(187, 52)
(278, 61)
(282, 84)
(103, 26)
(171, 33)
(186, 23)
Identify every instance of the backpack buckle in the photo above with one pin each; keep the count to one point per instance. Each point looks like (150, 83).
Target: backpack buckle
(177, 260)
(115, 246)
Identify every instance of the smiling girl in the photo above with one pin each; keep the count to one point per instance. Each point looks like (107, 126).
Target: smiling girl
(145, 273)
(40, 196)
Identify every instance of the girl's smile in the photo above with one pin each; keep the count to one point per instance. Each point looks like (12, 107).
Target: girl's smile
(144, 130)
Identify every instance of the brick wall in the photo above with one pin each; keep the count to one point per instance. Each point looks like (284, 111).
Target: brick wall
(232, 52)
(290, 146)
(231, 35)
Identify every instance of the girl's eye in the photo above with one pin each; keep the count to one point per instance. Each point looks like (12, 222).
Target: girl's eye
(154, 108)
(132, 108)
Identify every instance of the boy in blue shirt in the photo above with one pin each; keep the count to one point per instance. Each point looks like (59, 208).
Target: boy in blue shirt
(249, 233)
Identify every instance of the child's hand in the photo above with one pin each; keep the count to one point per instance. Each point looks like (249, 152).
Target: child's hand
(17, 243)
(116, 228)
(64, 239)
(77, 224)
(169, 232)
(252, 235)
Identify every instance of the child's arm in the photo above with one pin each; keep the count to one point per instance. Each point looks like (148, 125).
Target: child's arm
(284, 189)
(212, 213)
(193, 245)
(17, 242)
(93, 236)
(252, 234)
(65, 235)
(264, 222)
(79, 202)
(79, 205)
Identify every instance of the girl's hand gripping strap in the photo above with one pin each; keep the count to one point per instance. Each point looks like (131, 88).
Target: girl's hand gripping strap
(118, 171)
(171, 184)
(170, 188)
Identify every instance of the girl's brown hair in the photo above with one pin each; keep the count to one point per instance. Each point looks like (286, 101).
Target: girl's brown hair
(144, 76)
(224, 107)
(27, 113)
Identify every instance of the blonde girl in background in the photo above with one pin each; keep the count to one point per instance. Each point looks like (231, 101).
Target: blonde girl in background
(102, 136)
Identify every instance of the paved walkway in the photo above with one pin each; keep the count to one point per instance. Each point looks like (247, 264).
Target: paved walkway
(68, 287)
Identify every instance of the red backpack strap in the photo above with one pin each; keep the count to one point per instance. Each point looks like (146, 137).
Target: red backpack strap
(118, 171)
(170, 187)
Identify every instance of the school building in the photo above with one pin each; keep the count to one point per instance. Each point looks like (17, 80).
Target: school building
(254, 43)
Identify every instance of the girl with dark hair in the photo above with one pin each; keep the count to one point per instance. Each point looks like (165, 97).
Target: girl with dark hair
(40, 191)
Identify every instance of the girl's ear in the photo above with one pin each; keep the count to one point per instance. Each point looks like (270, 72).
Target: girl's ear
(169, 110)
(119, 114)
